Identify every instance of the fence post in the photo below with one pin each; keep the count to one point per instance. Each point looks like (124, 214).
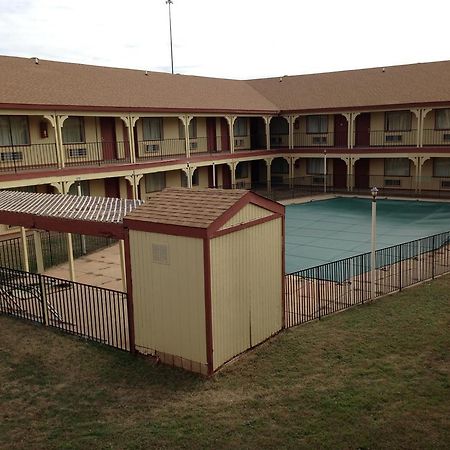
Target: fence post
(317, 280)
(43, 299)
(433, 256)
(400, 267)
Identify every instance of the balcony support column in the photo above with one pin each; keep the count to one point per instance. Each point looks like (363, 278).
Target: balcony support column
(424, 112)
(230, 120)
(130, 123)
(351, 117)
(188, 170)
(351, 173)
(59, 139)
(290, 121)
(269, 173)
(134, 181)
(232, 166)
(418, 114)
(51, 118)
(415, 161)
(186, 120)
(291, 162)
(267, 120)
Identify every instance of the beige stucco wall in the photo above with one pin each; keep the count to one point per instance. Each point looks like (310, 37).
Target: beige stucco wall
(97, 188)
(169, 298)
(246, 288)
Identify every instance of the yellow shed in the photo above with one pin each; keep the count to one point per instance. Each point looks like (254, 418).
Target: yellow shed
(206, 270)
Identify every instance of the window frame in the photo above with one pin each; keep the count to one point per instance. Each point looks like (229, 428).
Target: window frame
(10, 132)
(436, 120)
(240, 120)
(321, 117)
(148, 177)
(434, 168)
(386, 121)
(82, 130)
(394, 174)
(160, 126)
(320, 160)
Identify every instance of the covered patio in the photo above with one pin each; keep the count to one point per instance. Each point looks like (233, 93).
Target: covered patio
(94, 216)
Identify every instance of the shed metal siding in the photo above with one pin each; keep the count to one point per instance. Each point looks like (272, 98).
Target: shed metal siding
(246, 288)
(169, 298)
(247, 214)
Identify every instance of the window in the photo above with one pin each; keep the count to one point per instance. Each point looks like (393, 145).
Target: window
(396, 167)
(240, 127)
(441, 167)
(314, 166)
(155, 182)
(152, 128)
(242, 170)
(192, 129)
(280, 165)
(443, 119)
(73, 130)
(398, 121)
(14, 130)
(316, 124)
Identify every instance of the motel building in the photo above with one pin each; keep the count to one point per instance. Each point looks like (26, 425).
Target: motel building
(97, 131)
(136, 150)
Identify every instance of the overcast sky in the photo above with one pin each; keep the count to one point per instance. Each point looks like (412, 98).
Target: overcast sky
(229, 38)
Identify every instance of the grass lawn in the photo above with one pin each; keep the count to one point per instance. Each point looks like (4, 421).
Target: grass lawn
(376, 376)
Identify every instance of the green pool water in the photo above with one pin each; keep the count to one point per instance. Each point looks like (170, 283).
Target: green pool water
(328, 230)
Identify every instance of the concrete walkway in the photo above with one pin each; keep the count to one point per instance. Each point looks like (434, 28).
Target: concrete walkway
(101, 268)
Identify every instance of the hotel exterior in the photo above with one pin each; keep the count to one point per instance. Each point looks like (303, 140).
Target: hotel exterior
(70, 128)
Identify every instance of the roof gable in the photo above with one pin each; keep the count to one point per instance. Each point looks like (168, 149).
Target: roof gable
(197, 212)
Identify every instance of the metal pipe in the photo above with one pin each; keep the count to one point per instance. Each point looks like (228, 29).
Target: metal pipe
(374, 192)
(170, 2)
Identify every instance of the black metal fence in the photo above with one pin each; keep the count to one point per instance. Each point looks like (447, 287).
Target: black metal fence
(87, 311)
(54, 249)
(319, 291)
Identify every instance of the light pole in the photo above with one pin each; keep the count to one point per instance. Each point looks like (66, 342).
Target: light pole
(374, 192)
(325, 171)
(170, 2)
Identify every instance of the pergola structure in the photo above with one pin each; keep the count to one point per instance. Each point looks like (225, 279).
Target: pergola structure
(95, 216)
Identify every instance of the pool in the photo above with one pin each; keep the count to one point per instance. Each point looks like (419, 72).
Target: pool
(328, 230)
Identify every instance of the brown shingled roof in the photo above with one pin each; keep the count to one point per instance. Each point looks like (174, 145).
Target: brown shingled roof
(63, 86)
(196, 207)
(57, 85)
(426, 83)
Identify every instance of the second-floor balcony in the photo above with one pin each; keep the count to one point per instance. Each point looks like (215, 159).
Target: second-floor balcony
(15, 158)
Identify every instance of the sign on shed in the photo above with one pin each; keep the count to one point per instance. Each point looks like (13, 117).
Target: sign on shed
(206, 274)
